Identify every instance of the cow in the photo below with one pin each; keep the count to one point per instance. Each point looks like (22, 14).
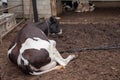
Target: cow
(33, 52)
(85, 6)
(70, 5)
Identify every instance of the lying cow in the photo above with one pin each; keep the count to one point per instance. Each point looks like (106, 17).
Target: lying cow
(33, 52)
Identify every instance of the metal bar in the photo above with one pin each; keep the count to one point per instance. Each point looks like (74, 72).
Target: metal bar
(30, 10)
(5, 33)
(5, 21)
(35, 10)
(23, 8)
(12, 28)
(10, 7)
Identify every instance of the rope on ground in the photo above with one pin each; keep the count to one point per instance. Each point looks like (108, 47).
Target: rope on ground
(103, 47)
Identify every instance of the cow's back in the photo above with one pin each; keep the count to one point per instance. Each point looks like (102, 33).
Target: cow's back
(28, 31)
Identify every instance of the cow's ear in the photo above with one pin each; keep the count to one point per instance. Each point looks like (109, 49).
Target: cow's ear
(52, 19)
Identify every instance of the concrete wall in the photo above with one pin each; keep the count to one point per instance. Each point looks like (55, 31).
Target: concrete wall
(18, 10)
(43, 6)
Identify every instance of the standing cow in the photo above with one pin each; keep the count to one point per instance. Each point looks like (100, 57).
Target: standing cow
(33, 52)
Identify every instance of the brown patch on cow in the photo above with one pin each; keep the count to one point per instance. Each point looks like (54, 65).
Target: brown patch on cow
(37, 58)
(14, 54)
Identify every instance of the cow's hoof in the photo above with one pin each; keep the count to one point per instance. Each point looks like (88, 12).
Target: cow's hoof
(74, 56)
(60, 67)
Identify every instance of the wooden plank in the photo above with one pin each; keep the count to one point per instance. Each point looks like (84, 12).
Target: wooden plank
(11, 7)
(31, 10)
(53, 7)
(59, 7)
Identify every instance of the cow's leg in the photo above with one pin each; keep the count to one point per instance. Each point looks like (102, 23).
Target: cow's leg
(47, 68)
(60, 59)
(57, 55)
(53, 43)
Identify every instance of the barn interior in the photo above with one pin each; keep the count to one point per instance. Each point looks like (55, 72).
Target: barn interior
(104, 11)
(81, 29)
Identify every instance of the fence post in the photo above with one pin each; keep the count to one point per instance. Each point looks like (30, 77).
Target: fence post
(35, 12)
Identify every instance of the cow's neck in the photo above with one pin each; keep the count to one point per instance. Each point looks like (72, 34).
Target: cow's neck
(44, 26)
(48, 27)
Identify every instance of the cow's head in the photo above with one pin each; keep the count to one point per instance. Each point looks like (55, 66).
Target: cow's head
(54, 26)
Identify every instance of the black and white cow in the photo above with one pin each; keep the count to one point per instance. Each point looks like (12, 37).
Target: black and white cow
(70, 4)
(33, 52)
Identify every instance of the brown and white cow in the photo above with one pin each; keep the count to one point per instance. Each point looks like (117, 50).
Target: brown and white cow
(33, 52)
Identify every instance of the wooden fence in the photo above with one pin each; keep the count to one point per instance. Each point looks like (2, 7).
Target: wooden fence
(8, 21)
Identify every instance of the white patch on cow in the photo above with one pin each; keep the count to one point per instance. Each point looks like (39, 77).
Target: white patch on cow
(35, 43)
(56, 56)
(43, 33)
(10, 50)
(48, 66)
(58, 18)
(45, 71)
(53, 43)
(60, 32)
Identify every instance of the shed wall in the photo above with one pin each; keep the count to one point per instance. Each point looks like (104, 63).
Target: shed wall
(17, 10)
(43, 6)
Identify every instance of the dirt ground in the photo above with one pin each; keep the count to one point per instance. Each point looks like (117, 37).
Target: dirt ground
(99, 15)
(101, 27)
